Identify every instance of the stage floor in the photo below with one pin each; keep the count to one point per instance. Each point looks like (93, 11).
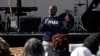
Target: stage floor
(19, 39)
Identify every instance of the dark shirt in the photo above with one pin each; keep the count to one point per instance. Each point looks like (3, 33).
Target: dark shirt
(54, 26)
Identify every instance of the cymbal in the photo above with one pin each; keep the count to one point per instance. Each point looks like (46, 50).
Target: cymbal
(80, 4)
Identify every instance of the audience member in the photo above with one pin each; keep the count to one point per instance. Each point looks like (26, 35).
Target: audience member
(60, 46)
(98, 52)
(89, 48)
(33, 47)
(4, 48)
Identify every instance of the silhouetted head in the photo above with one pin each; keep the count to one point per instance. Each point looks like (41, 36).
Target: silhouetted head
(92, 43)
(4, 48)
(60, 42)
(33, 47)
(52, 10)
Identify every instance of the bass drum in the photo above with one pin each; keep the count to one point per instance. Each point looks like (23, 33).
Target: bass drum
(70, 21)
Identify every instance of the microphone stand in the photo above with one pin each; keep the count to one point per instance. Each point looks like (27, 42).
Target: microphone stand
(19, 5)
(86, 4)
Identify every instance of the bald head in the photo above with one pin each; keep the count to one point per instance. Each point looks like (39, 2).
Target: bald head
(52, 10)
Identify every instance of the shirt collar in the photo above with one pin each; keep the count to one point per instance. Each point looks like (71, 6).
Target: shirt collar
(52, 16)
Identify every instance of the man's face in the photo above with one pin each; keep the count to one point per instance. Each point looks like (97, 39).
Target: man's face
(52, 10)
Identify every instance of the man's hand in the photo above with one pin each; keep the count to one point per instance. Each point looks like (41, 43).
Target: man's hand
(67, 18)
(46, 20)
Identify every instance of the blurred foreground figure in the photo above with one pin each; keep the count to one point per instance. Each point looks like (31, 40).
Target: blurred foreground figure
(89, 48)
(60, 46)
(4, 48)
(33, 47)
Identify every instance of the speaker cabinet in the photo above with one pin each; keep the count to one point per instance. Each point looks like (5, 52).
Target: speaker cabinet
(29, 24)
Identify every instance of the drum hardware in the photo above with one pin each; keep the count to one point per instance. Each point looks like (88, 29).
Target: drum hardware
(6, 24)
(80, 4)
(96, 9)
(78, 26)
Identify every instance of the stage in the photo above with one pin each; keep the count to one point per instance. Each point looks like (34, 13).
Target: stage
(19, 39)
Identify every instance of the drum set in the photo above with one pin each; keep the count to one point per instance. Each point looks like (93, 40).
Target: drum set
(75, 23)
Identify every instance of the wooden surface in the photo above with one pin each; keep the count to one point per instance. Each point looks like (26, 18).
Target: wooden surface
(16, 51)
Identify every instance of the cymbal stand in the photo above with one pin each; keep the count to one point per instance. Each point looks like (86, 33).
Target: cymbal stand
(78, 23)
(5, 21)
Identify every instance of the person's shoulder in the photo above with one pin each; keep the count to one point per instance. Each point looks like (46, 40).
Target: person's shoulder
(81, 48)
(81, 51)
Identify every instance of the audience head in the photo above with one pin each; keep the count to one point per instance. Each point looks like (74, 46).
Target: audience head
(92, 43)
(52, 10)
(60, 42)
(4, 48)
(33, 47)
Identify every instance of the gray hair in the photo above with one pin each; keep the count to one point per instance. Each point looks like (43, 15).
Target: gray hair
(33, 47)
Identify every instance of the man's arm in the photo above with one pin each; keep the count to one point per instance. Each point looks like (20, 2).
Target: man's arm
(44, 25)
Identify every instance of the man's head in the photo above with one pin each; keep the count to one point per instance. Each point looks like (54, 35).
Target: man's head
(52, 10)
